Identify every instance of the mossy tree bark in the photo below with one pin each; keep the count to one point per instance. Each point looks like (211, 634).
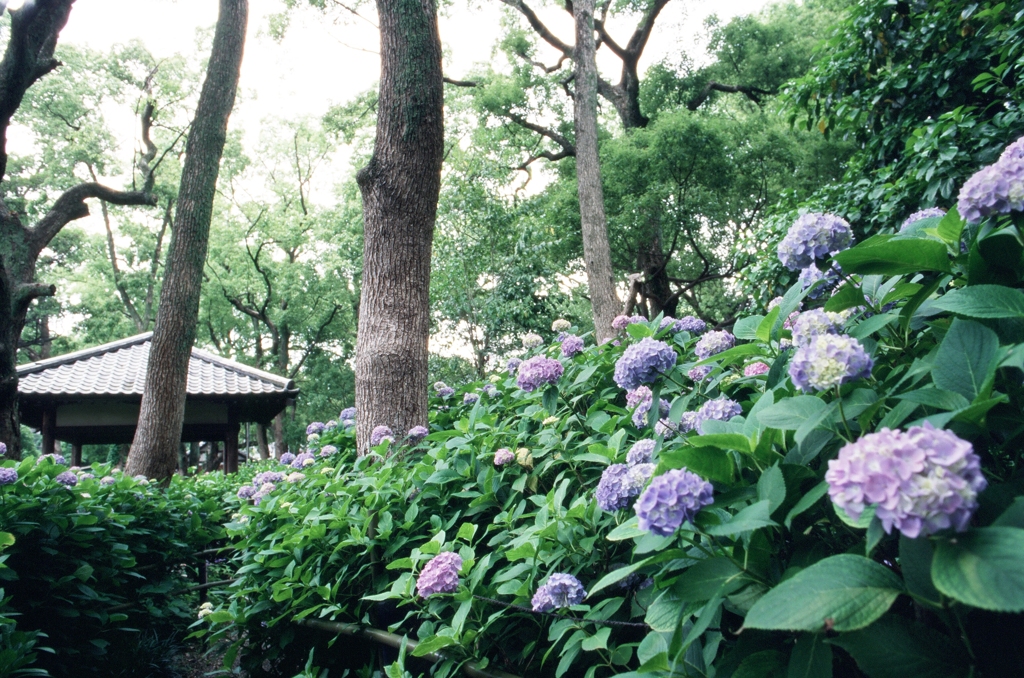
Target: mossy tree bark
(400, 188)
(604, 301)
(34, 30)
(154, 450)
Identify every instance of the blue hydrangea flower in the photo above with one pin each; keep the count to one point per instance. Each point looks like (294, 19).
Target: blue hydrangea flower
(813, 236)
(995, 189)
(67, 479)
(8, 476)
(491, 391)
(107, 480)
(812, 274)
(538, 371)
(640, 452)
(713, 343)
(470, 398)
(619, 483)
(418, 433)
(503, 457)
(929, 213)
(3, 449)
(316, 428)
(642, 362)
(440, 575)
(287, 458)
(1014, 151)
(920, 481)
(828, 360)
(328, 451)
(380, 434)
(672, 499)
(347, 414)
(261, 479)
(513, 365)
(303, 460)
(719, 409)
(700, 373)
(689, 421)
(446, 392)
(640, 414)
(55, 458)
(690, 324)
(571, 345)
(810, 324)
(245, 492)
(560, 590)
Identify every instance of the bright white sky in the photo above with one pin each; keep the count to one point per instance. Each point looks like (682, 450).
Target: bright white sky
(321, 61)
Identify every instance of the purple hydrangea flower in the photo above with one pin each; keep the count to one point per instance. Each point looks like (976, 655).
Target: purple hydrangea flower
(246, 492)
(107, 480)
(689, 421)
(8, 476)
(513, 365)
(811, 324)
(640, 452)
(812, 274)
(440, 575)
(996, 189)
(503, 456)
(532, 340)
(303, 460)
(828, 360)
(756, 369)
(690, 324)
(86, 476)
(261, 479)
(713, 343)
(671, 500)
(642, 362)
(418, 433)
(571, 345)
(67, 479)
(929, 213)
(620, 483)
(1014, 151)
(640, 414)
(440, 385)
(317, 427)
(638, 395)
(774, 302)
(700, 373)
(560, 590)
(538, 371)
(470, 398)
(719, 409)
(55, 458)
(446, 392)
(3, 449)
(491, 391)
(328, 451)
(347, 414)
(921, 481)
(287, 458)
(380, 434)
(620, 322)
(813, 236)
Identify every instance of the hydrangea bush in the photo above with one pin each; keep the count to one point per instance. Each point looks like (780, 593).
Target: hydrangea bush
(839, 491)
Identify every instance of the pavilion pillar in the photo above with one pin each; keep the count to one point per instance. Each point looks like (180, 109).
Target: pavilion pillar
(76, 454)
(231, 444)
(49, 431)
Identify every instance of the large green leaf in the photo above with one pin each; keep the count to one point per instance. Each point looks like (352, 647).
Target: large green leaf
(966, 358)
(844, 593)
(894, 255)
(753, 517)
(811, 657)
(894, 647)
(708, 578)
(983, 301)
(983, 568)
(707, 462)
(790, 414)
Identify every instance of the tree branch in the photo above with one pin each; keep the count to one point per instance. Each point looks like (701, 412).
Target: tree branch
(25, 293)
(568, 148)
(461, 83)
(71, 206)
(751, 92)
(538, 26)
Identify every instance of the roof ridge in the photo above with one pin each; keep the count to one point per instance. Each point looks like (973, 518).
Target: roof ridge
(75, 356)
(244, 369)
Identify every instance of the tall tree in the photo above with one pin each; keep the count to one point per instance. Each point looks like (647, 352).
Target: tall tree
(29, 56)
(596, 250)
(154, 450)
(400, 187)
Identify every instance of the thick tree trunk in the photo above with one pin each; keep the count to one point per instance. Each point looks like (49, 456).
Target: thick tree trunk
(400, 188)
(657, 288)
(163, 401)
(261, 441)
(280, 446)
(597, 255)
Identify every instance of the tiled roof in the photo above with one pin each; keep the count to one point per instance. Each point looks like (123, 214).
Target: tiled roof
(119, 368)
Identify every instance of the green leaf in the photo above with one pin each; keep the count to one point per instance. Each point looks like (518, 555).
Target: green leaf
(790, 414)
(847, 296)
(1013, 516)
(618, 575)
(707, 462)
(894, 647)
(665, 612)
(894, 255)
(6, 539)
(771, 486)
(983, 301)
(746, 328)
(723, 441)
(764, 329)
(916, 565)
(734, 354)
(751, 518)
(708, 578)
(627, 530)
(550, 399)
(466, 532)
(951, 228)
(937, 398)
(806, 502)
(432, 644)
(598, 641)
(639, 330)
(866, 328)
(982, 568)
(844, 593)
(966, 358)
(219, 616)
(811, 657)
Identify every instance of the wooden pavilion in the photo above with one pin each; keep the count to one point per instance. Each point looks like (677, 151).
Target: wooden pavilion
(93, 396)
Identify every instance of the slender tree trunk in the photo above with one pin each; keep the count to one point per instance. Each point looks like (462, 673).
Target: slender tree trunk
(163, 401)
(400, 188)
(280, 446)
(597, 254)
(657, 288)
(261, 441)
